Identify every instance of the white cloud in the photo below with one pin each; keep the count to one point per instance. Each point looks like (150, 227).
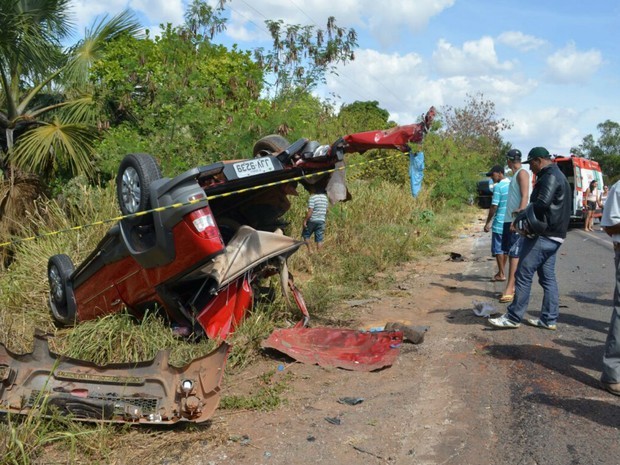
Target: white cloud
(397, 82)
(520, 41)
(558, 129)
(401, 84)
(160, 11)
(151, 11)
(569, 65)
(475, 57)
(385, 20)
(84, 11)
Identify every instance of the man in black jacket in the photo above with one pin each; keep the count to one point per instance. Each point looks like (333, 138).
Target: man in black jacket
(550, 204)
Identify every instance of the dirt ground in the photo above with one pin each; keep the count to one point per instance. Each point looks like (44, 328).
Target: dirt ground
(425, 409)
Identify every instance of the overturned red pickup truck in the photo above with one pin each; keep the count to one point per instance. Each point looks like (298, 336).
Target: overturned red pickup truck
(194, 246)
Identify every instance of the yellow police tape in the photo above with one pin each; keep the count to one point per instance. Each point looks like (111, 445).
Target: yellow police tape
(192, 202)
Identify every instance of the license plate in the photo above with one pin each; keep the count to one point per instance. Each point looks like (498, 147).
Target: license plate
(253, 167)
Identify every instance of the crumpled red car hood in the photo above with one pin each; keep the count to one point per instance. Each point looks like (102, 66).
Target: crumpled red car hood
(395, 138)
(337, 347)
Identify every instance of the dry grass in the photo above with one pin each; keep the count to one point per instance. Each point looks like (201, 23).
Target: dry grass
(23, 286)
(121, 338)
(381, 227)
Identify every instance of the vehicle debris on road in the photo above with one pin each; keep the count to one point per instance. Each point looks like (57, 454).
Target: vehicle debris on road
(151, 392)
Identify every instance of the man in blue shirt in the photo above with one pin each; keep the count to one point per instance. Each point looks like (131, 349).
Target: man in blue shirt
(495, 218)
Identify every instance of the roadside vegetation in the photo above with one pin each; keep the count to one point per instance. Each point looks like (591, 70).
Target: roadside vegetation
(189, 101)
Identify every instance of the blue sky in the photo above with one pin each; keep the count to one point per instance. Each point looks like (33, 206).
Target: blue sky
(550, 67)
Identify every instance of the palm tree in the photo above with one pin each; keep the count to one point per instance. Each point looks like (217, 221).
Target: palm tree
(47, 115)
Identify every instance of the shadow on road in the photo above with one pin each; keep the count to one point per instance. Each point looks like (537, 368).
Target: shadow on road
(591, 298)
(584, 356)
(467, 277)
(599, 411)
(586, 323)
(464, 316)
(468, 291)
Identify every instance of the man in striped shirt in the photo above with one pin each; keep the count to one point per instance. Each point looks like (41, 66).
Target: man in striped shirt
(495, 219)
(314, 222)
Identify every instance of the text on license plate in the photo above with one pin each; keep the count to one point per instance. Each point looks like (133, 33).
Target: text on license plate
(253, 167)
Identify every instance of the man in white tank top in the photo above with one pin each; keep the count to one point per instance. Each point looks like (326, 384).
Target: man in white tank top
(518, 198)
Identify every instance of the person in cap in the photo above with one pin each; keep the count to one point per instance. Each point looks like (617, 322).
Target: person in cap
(495, 218)
(518, 198)
(550, 203)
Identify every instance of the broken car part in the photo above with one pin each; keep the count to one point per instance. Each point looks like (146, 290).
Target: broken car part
(152, 392)
(337, 347)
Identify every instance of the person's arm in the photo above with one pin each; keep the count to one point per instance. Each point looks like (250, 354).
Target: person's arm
(523, 180)
(309, 212)
(308, 215)
(611, 213)
(546, 192)
(492, 210)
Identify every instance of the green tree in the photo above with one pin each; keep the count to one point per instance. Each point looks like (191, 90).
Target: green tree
(363, 116)
(302, 56)
(46, 113)
(605, 150)
(476, 126)
(188, 101)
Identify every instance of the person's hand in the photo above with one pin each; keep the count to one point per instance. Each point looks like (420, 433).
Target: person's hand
(487, 227)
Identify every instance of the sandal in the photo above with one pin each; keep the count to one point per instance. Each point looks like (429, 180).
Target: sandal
(495, 278)
(506, 298)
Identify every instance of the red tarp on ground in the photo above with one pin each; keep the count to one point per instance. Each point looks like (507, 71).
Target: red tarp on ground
(333, 347)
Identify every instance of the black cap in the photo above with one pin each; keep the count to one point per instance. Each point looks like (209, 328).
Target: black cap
(537, 152)
(496, 169)
(514, 155)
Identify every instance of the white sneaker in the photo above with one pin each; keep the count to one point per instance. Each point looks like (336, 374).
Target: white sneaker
(539, 324)
(503, 322)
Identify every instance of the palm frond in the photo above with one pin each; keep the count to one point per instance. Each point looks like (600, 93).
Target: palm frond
(88, 50)
(81, 110)
(53, 145)
(31, 32)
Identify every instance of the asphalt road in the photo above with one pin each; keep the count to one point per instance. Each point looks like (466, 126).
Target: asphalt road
(555, 412)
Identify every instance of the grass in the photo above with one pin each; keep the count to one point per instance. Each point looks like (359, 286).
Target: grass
(267, 397)
(382, 227)
(23, 439)
(121, 338)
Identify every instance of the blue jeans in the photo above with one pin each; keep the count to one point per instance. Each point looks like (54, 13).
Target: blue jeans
(512, 242)
(537, 256)
(314, 227)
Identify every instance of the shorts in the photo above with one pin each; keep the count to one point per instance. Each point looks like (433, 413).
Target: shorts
(511, 241)
(496, 244)
(591, 205)
(318, 228)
